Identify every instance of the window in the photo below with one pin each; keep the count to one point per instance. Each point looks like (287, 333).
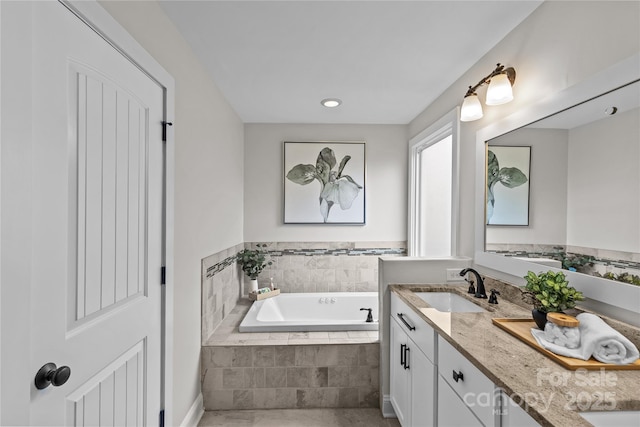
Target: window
(433, 189)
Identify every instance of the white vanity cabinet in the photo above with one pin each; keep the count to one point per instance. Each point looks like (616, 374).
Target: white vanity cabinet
(433, 384)
(412, 371)
(465, 395)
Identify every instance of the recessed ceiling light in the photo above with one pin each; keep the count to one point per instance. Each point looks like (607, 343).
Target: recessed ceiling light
(331, 102)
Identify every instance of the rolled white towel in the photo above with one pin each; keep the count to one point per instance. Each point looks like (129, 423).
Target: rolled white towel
(598, 339)
(605, 343)
(564, 336)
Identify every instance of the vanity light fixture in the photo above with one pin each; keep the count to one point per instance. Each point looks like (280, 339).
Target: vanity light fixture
(499, 92)
(331, 102)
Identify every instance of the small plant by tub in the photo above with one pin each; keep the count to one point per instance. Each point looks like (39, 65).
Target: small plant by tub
(549, 293)
(253, 261)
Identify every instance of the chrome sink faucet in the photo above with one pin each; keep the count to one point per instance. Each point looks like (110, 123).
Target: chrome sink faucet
(480, 292)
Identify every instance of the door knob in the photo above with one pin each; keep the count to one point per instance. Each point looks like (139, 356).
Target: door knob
(51, 374)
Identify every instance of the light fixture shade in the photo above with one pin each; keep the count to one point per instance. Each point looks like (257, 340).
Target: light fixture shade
(471, 109)
(499, 91)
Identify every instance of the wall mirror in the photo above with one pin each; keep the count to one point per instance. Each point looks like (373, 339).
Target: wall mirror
(584, 186)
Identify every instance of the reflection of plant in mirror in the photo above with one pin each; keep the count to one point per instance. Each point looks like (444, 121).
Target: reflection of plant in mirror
(631, 279)
(336, 188)
(509, 177)
(575, 262)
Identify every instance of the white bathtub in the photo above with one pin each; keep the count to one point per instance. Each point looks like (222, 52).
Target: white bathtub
(319, 311)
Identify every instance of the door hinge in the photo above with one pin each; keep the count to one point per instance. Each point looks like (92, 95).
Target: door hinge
(163, 275)
(164, 130)
(162, 418)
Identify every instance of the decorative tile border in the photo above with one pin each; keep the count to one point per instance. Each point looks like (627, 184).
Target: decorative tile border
(220, 266)
(602, 259)
(337, 252)
(310, 250)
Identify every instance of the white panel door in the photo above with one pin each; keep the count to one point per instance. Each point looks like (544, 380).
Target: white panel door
(96, 227)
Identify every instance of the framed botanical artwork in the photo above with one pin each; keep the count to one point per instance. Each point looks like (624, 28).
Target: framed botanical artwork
(324, 182)
(508, 185)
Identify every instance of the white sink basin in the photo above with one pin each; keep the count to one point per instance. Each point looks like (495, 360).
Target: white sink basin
(450, 302)
(613, 418)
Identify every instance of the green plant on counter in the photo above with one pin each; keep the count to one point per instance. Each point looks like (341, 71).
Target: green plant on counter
(631, 279)
(253, 261)
(550, 292)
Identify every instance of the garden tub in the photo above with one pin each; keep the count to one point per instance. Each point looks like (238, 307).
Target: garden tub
(318, 311)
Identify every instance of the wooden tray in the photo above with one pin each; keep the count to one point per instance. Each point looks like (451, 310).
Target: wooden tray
(521, 329)
(254, 296)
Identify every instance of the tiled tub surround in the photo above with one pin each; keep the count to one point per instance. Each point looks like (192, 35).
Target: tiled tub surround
(297, 369)
(291, 376)
(221, 284)
(288, 369)
(522, 372)
(297, 267)
(326, 266)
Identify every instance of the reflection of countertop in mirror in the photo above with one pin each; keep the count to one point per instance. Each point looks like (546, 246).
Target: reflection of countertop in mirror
(520, 370)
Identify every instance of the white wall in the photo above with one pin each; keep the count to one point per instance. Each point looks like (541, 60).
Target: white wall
(208, 180)
(386, 183)
(604, 184)
(557, 46)
(547, 187)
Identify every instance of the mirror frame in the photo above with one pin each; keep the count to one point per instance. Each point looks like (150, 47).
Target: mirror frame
(617, 294)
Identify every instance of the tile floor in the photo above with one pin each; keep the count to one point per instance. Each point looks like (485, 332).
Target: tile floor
(369, 417)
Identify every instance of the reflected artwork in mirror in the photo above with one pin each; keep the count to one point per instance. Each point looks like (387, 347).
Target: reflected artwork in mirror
(508, 185)
(584, 188)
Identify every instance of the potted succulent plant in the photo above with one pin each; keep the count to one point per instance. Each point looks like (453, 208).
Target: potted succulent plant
(549, 292)
(253, 261)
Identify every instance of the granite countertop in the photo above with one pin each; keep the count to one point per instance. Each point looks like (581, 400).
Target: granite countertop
(551, 394)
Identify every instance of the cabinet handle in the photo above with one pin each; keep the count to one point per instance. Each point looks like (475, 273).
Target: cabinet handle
(458, 376)
(402, 354)
(406, 356)
(407, 324)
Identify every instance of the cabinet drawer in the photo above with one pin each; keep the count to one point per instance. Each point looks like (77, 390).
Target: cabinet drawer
(423, 335)
(474, 388)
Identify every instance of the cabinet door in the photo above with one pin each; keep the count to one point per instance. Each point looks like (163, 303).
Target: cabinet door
(400, 378)
(513, 415)
(452, 412)
(422, 389)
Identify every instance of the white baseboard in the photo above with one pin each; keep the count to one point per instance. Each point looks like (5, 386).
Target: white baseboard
(387, 408)
(195, 413)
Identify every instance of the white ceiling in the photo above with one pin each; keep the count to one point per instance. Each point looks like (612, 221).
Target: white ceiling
(387, 60)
